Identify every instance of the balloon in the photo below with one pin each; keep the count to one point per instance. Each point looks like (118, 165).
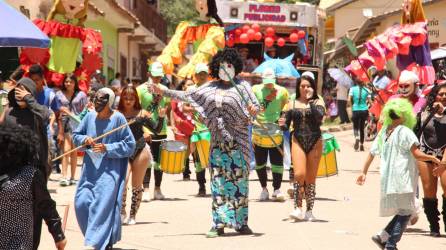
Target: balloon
(281, 42)
(245, 28)
(269, 42)
(294, 37)
(258, 36)
(244, 38)
(238, 32)
(230, 43)
(301, 34)
(251, 33)
(255, 27)
(270, 31)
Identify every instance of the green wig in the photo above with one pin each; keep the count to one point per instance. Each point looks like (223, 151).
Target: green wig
(402, 108)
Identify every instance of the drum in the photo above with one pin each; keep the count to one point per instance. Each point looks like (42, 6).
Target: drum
(260, 136)
(202, 141)
(173, 156)
(328, 165)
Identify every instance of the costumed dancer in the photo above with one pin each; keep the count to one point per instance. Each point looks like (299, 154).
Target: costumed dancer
(408, 89)
(227, 116)
(130, 107)
(23, 191)
(73, 102)
(397, 146)
(306, 114)
(273, 99)
(433, 142)
(205, 34)
(99, 192)
(154, 104)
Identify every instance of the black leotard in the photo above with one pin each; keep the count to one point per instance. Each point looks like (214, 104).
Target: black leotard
(306, 125)
(433, 137)
(138, 132)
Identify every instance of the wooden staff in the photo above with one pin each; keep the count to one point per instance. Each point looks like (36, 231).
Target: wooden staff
(95, 139)
(262, 126)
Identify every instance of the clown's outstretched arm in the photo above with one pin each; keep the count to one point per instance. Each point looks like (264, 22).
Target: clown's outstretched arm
(214, 41)
(173, 53)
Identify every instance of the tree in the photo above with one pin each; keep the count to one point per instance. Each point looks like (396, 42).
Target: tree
(175, 11)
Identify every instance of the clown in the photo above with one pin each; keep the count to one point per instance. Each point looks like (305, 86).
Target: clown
(205, 33)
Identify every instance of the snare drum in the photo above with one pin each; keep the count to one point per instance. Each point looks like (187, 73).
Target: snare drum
(173, 156)
(260, 136)
(202, 141)
(328, 165)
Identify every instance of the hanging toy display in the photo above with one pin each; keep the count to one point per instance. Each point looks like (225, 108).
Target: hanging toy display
(69, 38)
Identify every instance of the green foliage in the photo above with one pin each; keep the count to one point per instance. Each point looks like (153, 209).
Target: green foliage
(175, 11)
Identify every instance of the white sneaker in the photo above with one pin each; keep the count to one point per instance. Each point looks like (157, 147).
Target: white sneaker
(278, 196)
(158, 195)
(145, 197)
(131, 221)
(297, 214)
(309, 216)
(264, 195)
(123, 219)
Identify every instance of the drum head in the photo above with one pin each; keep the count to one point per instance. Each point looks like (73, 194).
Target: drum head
(272, 128)
(174, 146)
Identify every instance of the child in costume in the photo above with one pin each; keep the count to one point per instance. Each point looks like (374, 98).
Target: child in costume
(397, 146)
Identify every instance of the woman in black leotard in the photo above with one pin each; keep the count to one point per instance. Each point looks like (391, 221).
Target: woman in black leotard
(130, 107)
(306, 114)
(433, 142)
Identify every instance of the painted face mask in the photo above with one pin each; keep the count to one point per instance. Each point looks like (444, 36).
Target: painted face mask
(406, 89)
(229, 74)
(100, 101)
(72, 7)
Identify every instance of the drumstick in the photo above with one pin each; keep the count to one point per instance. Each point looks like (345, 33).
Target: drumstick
(95, 139)
(260, 124)
(65, 218)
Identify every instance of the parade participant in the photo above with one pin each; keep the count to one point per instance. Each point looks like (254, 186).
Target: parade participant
(397, 146)
(306, 113)
(227, 117)
(359, 98)
(154, 104)
(23, 191)
(272, 99)
(408, 89)
(201, 74)
(205, 33)
(433, 142)
(73, 100)
(130, 107)
(99, 191)
(380, 79)
(25, 111)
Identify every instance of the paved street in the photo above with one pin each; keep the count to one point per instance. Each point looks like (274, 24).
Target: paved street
(347, 213)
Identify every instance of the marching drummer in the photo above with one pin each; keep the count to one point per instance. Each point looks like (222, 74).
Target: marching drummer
(272, 98)
(153, 104)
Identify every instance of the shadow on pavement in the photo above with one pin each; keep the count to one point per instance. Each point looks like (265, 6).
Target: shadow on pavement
(172, 199)
(304, 221)
(148, 223)
(325, 199)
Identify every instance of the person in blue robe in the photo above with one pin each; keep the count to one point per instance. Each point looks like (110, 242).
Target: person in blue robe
(101, 185)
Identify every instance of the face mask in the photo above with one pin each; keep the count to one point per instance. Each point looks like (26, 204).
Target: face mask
(230, 70)
(100, 102)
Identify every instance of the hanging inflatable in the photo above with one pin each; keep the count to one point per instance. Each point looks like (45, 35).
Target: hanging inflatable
(70, 41)
(206, 34)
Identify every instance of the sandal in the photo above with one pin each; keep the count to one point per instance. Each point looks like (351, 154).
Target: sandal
(215, 232)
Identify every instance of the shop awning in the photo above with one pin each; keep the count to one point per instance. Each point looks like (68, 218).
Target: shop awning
(16, 30)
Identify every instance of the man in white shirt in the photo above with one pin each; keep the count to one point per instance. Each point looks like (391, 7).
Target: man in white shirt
(342, 97)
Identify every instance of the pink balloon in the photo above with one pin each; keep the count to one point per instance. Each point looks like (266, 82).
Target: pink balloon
(245, 28)
(230, 43)
(294, 37)
(258, 36)
(301, 34)
(238, 32)
(244, 38)
(270, 31)
(251, 34)
(281, 42)
(269, 42)
(255, 27)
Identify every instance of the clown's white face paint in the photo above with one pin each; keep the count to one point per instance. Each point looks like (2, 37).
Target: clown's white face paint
(406, 89)
(229, 74)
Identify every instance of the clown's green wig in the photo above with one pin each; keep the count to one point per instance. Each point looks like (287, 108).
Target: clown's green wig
(403, 109)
